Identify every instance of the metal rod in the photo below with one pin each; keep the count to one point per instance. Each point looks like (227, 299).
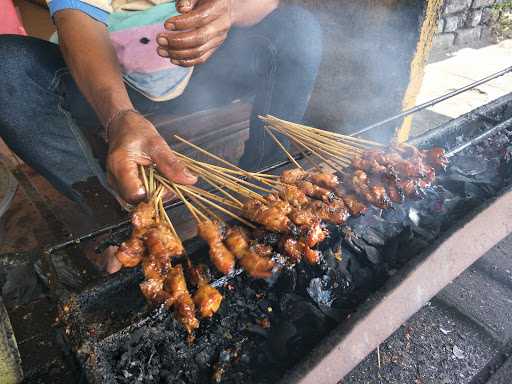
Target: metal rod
(434, 101)
(504, 125)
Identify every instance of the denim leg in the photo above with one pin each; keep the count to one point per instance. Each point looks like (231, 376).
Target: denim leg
(32, 120)
(43, 115)
(290, 54)
(275, 63)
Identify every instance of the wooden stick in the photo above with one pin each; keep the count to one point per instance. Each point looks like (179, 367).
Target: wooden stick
(187, 204)
(145, 181)
(259, 177)
(214, 156)
(292, 159)
(206, 209)
(328, 162)
(228, 195)
(321, 131)
(164, 214)
(211, 196)
(231, 214)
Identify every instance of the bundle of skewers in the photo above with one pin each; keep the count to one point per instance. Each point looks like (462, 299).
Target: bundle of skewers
(155, 243)
(282, 219)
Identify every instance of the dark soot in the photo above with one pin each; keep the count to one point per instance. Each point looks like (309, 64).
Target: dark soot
(264, 328)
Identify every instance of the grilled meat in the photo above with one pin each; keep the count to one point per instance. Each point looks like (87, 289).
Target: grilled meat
(221, 257)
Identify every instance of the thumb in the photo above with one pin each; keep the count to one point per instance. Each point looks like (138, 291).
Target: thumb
(171, 167)
(184, 6)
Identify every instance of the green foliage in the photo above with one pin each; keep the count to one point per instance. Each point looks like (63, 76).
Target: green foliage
(502, 14)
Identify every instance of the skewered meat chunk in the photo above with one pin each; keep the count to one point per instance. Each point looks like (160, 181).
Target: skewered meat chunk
(220, 256)
(355, 207)
(179, 298)
(379, 194)
(185, 312)
(369, 165)
(293, 195)
(315, 191)
(257, 266)
(273, 217)
(152, 289)
(237, 241)
(143, 216)
(207, 298)
(324, 179)
(296, 249)
(131, 252)
(162, 244)
(263, 250)
(335, 212)
(292, 248)
(410, 188)
(292, 176)
(254, 259)
(153, 269)
(304, 216)
(314, 234)
(394, 193)
(436, 157)
(312, 256)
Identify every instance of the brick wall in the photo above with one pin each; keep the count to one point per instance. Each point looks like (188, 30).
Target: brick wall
(468, 22)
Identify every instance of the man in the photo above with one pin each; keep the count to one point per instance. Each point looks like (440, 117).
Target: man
(116, 63)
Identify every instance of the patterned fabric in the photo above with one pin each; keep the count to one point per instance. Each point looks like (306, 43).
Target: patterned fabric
(133, 27)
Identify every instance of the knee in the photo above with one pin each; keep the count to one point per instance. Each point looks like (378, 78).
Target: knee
(20, 59)
(300, 34)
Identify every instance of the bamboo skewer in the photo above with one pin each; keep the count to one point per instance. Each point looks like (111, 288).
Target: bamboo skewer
(144, 180)
(292, 159)
(203, 151)
(227, 194)
(189, 206)
(227, 212)
(275, 120)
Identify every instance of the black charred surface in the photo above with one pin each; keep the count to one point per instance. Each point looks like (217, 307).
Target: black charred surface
(264, 328)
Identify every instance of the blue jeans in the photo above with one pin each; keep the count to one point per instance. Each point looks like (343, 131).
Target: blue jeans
(45, 119)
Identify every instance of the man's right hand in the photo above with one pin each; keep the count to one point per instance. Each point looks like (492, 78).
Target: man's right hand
(134, 140)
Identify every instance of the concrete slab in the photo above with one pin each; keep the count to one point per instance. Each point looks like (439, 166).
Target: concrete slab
(462, 68)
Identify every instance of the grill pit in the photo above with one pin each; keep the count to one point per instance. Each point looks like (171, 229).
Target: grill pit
(395, 252)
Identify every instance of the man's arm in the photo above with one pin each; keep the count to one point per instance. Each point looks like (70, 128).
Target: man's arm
(133, 140)
(204, 26)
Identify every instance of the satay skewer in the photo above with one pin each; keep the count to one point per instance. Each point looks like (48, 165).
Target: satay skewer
(321, 131)
(222, 209)
(292, 159)
(204, 151)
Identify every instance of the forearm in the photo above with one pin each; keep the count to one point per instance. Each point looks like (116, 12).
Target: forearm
(246, 13)
(89, 54)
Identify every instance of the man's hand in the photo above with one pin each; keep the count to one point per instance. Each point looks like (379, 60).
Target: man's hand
(197, 33)
(133, 140)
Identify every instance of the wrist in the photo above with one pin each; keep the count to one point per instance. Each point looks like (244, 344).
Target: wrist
(111, 125)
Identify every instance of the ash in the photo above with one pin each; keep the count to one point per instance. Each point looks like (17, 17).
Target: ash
(264, 328)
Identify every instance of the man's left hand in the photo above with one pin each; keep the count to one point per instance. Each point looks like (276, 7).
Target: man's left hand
(196, 34)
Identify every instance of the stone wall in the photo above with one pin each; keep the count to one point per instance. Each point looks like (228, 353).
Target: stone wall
(468, 23)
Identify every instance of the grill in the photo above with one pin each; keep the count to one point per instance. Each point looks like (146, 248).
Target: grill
(323, 320)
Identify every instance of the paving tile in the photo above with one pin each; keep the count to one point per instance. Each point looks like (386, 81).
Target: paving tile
(498, 262)
(503, 375)
(422, 351)
(483, 299)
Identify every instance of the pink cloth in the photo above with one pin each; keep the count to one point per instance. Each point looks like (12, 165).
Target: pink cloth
(10, 20)
(136, 49)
